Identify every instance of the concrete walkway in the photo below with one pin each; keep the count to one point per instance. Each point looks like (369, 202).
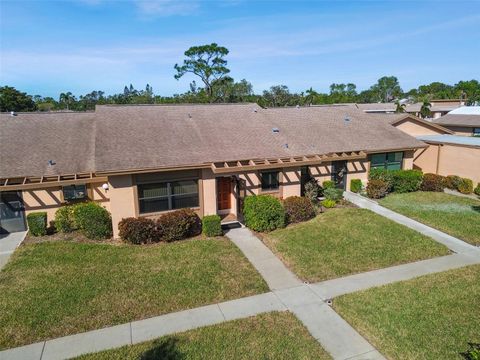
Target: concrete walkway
(449, 241)
(456, 193)
(8, 244)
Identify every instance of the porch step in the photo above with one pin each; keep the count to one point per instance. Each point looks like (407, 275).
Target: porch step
(231, 225)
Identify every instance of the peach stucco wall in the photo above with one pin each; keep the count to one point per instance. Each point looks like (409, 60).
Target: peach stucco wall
(50, 199)
(450, 160)
(417, 129)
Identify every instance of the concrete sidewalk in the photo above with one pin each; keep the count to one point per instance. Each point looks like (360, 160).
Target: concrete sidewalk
(8, 244)
(449, 241)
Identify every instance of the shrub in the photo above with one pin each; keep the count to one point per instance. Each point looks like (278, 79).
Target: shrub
(465, 186)
(313, 190)
(92, 220)
(138, 231)
(37, 223)
(329, 203)
(432, 182)
(263, 213)
(211, 225)
(333, 194)
(377, 189)
(298, 209)
(328, 184)
(64, 221)
(473, 353)
(178, 225)
(384, 175)
(406, 180)
(355, 185)
(452, 182)
(477, 190)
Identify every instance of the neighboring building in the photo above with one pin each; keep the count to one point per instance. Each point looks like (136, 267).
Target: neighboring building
(463, 121)
(146, 160)
(447, 153)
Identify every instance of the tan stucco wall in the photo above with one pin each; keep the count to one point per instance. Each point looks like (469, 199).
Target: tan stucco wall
(358, 170)
(321, 172)
(51, 199)
(413, 128)
(123, 199)
(461, 130)
(290, 182)
(452, 160)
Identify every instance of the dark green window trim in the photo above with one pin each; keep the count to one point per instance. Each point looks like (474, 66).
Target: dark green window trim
(167, 195)
(270, 180)
(74, 192)
(389, 161)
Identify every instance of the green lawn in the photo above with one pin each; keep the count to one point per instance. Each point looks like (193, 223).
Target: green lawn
(457, 216)
(57, 288)
(345, 241)
(431, 317)
(267, 336)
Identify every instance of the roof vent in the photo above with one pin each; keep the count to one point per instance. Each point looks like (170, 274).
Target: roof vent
(346, 120)
(275, 130)
(189, 115)
(298, 106)
(51, 162)
(254, 110)
(13, 113)
(285, 146)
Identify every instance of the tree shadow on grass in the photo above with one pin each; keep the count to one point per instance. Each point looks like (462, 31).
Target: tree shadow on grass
(476, 208)
(163, 349)
(473, 353)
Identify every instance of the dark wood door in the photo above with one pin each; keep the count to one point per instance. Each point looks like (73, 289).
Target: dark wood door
(224, 186)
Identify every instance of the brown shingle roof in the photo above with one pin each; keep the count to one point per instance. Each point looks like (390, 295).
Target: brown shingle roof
(459, 120)
(29, 140)
(116, 138)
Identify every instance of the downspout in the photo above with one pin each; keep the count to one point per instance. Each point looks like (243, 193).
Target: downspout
(438, 158)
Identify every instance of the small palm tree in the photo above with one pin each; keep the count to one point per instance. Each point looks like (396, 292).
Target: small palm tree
(399, 108)
(311, 96)
(425, 109)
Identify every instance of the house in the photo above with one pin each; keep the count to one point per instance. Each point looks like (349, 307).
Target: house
(463, 121)
(145, 160)
(447, 153)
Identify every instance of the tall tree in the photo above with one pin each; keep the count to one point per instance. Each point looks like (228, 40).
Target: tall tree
(13, 100)
(387, 88)
(67, 99)
(207, 62)
(399, 108)
(425, 109)
(278, 95)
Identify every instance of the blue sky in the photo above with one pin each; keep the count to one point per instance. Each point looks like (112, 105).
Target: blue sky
(48, 47)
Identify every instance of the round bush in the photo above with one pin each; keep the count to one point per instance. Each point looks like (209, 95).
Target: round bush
(298, 209)
(178, 225)
(465, 186)
(452, 182)
(138, 230)
(329, 203)
(377, 189)
(328, 184)
(64, 221)
(37, 223)
(263, 213)
(212, 226)
(407, 180)
(333, 194)
(477, 190)
(355, 185)
(93, 220)
(433, 182)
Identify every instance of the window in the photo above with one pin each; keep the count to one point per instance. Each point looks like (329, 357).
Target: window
(390, 161)
(476, 131)
(75, 192)
(168, 196)
(269, 180)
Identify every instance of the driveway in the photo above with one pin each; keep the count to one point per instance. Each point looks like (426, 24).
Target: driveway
(8, 244)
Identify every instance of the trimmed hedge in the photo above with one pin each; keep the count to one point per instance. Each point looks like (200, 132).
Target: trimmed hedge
(433, 182)
(37, 223)
(329, 203)
(178, 225)
(263, 213)
(212, 225)
(333, 194)
(138, 230)
(64, 220)
(298, 209)
(328, 184)
(400, 181)
(477, 190)
(465, 186)
(377, 188)
(452, 182)
(355, 185)
(92, 220)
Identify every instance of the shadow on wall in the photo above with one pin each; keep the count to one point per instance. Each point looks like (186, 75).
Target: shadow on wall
(164, 349)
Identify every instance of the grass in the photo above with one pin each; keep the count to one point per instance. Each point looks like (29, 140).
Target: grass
(431, 317)
(268, 336)
(53, 289)
(457, 216)
(345, 241)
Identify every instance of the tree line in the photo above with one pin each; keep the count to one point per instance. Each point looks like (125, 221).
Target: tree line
(208, 63)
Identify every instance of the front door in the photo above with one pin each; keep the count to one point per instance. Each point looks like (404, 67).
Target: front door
(339, 174)
(224, 188)
(12, 213)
